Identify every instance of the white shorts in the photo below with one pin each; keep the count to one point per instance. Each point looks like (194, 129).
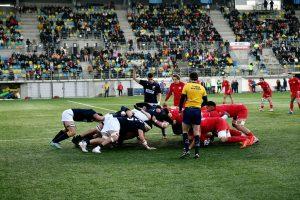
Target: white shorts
(111, 125)
(138, 114)
(224, 133)
(67, 116)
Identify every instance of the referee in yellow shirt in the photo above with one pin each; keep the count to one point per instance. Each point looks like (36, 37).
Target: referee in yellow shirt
(193, 95)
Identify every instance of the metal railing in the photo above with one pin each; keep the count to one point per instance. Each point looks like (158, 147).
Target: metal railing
(158, 73)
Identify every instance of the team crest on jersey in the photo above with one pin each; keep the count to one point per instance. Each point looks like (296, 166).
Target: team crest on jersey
(153, 87)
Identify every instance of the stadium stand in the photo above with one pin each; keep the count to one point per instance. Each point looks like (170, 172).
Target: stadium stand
(263, 27)
(169, 24)
(287, 52)
(170, 39)
(10, 35)
(38, 67)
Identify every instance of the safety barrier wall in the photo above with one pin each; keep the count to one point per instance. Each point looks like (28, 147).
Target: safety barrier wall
(94, 88)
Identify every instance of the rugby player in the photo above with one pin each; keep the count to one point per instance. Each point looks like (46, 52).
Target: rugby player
(226, 87)
(219, 128)
(152, 90)
(294, 83)
(127, 129)
(159, 116)
(68, 117)
(193, 95)
(238, 113)
(175, 89)
(267, 94)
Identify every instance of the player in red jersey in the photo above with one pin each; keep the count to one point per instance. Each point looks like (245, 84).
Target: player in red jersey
(227, 90)
(175, 89)
(219, 128)
(267, 94)
(294, 83)
(238, 113)
(176, 117)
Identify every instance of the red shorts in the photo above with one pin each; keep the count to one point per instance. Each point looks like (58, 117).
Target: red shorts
(295, 94)
(267, 95)
(228, 92)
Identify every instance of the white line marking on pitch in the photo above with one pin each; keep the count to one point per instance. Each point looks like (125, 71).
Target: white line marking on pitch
(26, 139)
(91, 106)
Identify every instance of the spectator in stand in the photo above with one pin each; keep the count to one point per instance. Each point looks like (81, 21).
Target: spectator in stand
(271, 5)
(120, 88)
(265, 4)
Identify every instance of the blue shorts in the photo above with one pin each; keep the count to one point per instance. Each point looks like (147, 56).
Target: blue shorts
(192, 116)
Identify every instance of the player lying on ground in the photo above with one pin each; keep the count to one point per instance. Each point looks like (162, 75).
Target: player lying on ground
(68, 117)
(267, 94)
(238, 113)
(129, 128)
(294, 83)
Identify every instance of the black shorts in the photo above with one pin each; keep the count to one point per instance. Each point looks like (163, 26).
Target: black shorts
(192, 116)
(177, 128)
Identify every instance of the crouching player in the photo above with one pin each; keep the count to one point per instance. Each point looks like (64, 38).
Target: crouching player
(68, 117)
(159, 116)
(175, 118)
(127, 129)
(109, 134)
(238, 113)
(221, 129)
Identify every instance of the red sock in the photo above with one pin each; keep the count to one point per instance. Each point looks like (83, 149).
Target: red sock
(235, 139)
(235, 132)
(271, 106)
(250, 134)
(261, 106)
(291, 106)
(299, 105)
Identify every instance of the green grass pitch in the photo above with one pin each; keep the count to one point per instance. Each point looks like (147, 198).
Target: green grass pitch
(31, 169)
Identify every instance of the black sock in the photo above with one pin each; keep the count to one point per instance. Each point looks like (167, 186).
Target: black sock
(88, 142)
(186, 141)
(197, 144)
(163, 132)
(58, 135)
(61, 138)
(76, 139)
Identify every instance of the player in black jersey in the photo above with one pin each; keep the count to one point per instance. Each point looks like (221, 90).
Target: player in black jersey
(68, 117)
(129, 128)
(152, 90)
(159, 116)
